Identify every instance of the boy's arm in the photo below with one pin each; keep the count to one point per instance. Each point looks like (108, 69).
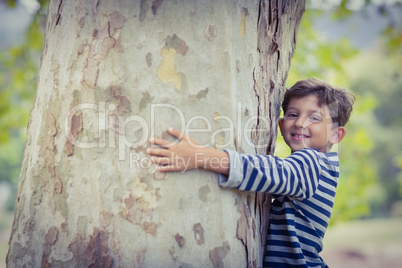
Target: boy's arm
(186, 155)
(296, 175)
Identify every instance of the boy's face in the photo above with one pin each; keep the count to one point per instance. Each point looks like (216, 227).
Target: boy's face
(307, 125)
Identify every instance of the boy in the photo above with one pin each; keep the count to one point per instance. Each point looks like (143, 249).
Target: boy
(303, 184)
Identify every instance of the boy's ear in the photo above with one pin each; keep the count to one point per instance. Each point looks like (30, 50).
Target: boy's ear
(337, 135)
(280, 123)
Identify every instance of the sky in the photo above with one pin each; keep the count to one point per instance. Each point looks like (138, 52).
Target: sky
(362, 29)
(352, 4)
(13, 23)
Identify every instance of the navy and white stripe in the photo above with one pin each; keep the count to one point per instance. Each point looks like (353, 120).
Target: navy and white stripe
(303, 185)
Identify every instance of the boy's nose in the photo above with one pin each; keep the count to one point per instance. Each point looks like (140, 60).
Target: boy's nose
(300, 122)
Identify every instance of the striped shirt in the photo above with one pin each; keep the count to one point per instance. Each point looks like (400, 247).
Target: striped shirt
(303, 185)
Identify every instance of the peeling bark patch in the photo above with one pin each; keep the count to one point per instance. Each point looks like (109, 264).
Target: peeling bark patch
(107, 44)
(159, 176)
(138, 209)
(180, 240)
(47, 147)
(139, 257)
(149, 227)
(91, 72)
(75, 128)
(177, 43)
(123, 105)
(104, 218)
(155, 5)
(97, 251)
(202, 93)
(75, 125)
(145, 100)
(51, 236)
(148, 59)
(210, 32)
(77, 247)
(94, 254)
(81, 22)
(47, 151)
(50, 239)
(17, 253)
(244, 13)
(220, 139)
(117, 20)
(203, 193)
(216, 255)
(217, 117)
(58, 185)
(198, 233)
(166, 70)
(104, 38)
(64, 227)
(166, 136)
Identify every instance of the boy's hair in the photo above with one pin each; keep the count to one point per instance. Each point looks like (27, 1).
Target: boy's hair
(338, 100)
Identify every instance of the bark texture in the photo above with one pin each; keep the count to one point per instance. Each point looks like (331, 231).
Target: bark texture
(114, 73)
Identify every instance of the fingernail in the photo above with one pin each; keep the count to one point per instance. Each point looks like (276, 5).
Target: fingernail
(170, 129)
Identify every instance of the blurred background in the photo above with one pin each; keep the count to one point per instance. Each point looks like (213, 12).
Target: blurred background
(355, 44)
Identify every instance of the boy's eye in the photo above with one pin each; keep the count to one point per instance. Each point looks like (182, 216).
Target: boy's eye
(315, 118)
(292, 115)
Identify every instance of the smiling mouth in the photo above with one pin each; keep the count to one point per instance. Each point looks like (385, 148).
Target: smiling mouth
(297, 136)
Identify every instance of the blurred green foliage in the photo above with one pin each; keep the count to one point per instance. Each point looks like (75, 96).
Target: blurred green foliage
(380, 79)
(371, 159)
(325, 59)
(18, 79)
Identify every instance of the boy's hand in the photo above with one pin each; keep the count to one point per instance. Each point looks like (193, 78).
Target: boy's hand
(180, 156)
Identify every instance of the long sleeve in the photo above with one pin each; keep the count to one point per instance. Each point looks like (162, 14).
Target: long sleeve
(296, 176)
(304, 185)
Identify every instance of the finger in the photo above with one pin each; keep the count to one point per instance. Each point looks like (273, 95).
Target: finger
(160, 161)
(176, 133)
(158, 152)
(161, 142)
(164, 168)
(170, 168)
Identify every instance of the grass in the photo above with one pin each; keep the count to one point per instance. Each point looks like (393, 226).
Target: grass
(364, 243)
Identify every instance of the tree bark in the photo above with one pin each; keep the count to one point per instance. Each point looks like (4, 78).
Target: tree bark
(114, 73)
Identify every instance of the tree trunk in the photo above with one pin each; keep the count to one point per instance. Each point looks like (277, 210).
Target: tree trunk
(112, 74)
